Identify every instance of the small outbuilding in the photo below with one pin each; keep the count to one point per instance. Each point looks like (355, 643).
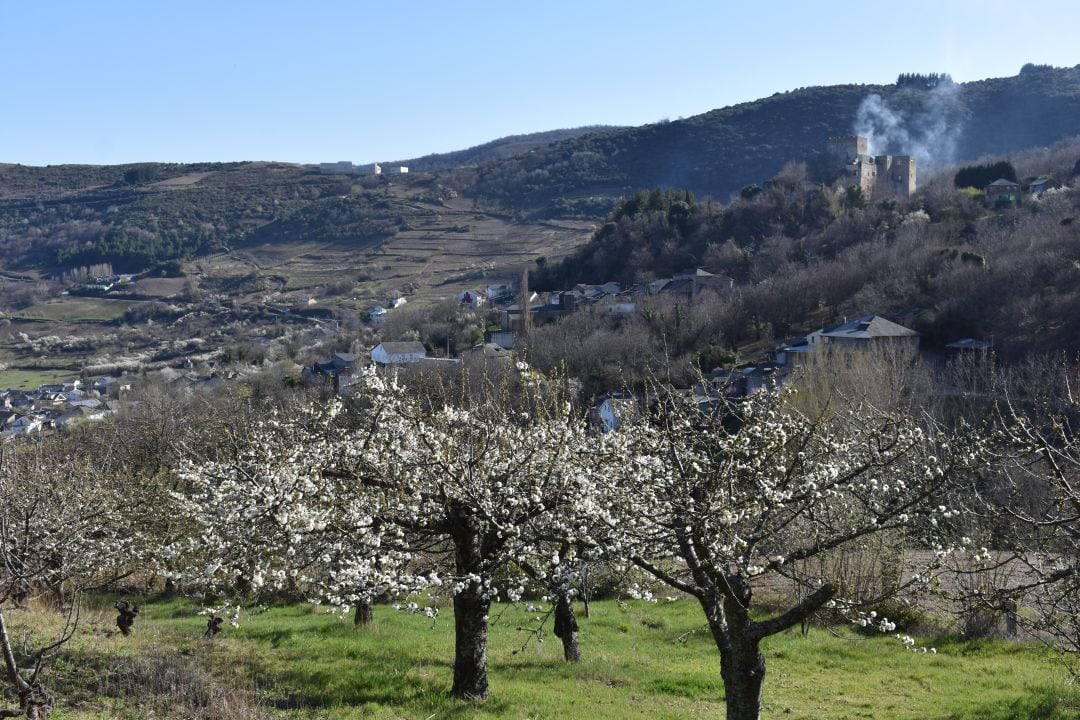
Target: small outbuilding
(1002, 191)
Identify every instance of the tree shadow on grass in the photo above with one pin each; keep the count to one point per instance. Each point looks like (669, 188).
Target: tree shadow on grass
(149, 680)
(393, 676)
(1054, 702)
(162, 677)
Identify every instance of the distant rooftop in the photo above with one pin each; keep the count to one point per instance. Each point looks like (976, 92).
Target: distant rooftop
(866, 327)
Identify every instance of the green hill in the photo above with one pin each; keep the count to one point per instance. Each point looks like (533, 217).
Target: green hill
(803, 255)
(135, 215)
(500, 149)
(719, 152)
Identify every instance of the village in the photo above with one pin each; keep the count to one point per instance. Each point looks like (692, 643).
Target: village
(867, 334)
(53, 406)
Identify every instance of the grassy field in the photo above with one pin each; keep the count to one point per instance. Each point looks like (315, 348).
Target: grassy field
(160, 287)
(24, 379)
(639, 661)
(75, 309)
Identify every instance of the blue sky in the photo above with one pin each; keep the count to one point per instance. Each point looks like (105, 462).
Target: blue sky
(115, 82)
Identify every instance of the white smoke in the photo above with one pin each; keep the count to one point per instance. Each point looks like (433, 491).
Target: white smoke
(923, 123)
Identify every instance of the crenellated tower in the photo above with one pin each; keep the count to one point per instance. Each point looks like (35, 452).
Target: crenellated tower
(878, 176)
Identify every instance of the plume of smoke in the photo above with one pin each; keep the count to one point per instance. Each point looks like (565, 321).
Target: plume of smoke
(923, 123)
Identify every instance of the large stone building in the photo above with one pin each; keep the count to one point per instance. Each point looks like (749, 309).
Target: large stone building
(879, 176)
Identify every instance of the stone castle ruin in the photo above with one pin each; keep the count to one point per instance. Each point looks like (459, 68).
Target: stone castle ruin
(879, 176)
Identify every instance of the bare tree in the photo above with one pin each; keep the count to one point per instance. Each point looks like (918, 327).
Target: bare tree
(1035, 510)
(65, 527)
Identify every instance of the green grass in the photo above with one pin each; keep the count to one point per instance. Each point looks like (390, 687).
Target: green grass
(298, 662)
(24, 379)
(75, 309)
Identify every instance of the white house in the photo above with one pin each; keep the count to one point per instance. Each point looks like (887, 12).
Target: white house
(613, 410)
(396, 353)
(24, 425)
(472, 299)
(620, 308)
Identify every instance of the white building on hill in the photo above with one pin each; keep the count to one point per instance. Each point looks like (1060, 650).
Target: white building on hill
(397, 353)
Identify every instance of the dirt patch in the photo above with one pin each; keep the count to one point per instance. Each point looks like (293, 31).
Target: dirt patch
(160, 287)
(181, 181)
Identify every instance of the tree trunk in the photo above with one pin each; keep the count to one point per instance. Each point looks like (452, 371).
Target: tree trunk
(743, 671)
(470, 644)
(742, 666)
(34, 702)
(471, 607)
(586, 592)
(566, 628)
(364, 613)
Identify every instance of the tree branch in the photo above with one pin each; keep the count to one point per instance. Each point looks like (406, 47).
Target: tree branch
(795, 615)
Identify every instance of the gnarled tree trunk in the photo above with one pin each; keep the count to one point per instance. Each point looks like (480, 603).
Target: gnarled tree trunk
(743, 669)
(364, 613)
(470, 645)
(566, 628)
(738, 638)
(471, 605)
(742, 666)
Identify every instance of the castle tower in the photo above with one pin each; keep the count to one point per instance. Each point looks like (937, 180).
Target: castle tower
(847, 148)
(881, 176)
(895, 176)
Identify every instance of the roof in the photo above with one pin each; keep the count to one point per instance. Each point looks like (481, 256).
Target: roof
(404, 347)
(1002, 182)
(867, 327)
(336, 364)
(691, 272)
(490, 349)
(678, 284)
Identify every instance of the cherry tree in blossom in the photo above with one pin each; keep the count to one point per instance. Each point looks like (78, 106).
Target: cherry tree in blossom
(265, 519)
(406, 494)
(716, 502)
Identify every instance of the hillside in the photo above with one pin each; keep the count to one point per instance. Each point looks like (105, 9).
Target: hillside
(223, 239)
(500, 149)
(133, 216)
(803, 255)
(719, 152)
